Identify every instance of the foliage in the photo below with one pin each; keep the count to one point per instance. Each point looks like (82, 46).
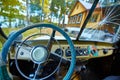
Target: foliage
(61, 5)
(57, 5)
(35, 6)
(35, 19)
(11, 9)
(59, 8)
(45, 6)
(39, 10)
(70, 4)
(35, 11)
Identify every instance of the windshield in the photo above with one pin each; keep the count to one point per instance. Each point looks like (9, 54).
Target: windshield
(103, 25)
(69, 15)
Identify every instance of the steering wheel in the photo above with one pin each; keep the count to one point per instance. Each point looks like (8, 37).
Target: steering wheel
(44, 51)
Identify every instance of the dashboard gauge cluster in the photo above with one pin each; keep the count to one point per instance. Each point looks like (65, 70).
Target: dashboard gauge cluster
(86, 51)
(79, 52)
(90, 51)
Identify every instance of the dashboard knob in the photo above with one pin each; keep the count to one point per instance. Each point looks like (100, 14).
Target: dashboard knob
(68, 52)
(59, 51)
(92, 50)
(105, 51)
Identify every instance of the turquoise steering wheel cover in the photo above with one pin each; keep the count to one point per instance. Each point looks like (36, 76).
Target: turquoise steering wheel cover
(10, 40)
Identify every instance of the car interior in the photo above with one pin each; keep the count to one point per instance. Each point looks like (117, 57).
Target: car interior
(84, 53)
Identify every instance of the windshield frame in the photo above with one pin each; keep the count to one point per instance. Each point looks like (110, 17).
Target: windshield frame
(87, 18)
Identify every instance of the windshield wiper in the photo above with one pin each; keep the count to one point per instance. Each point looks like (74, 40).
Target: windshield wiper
(87, 18)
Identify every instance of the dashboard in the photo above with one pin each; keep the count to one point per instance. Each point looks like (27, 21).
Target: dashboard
(84, 50)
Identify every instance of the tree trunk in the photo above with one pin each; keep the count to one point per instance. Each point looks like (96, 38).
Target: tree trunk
(10, 23)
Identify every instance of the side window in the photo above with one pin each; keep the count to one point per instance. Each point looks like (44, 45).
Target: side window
(74, 19)
(79, 18)
(94, 18)
(70, 20)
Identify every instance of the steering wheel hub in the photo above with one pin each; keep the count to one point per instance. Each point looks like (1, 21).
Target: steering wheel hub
(39, 54)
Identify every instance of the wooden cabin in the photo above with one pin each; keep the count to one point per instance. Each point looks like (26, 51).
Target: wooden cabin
(79, 13)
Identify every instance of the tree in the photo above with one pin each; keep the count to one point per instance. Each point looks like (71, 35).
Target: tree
(39, 9)
(45, 8)
(35, 11)
(64, 6)
(57, 8)
(11, 10)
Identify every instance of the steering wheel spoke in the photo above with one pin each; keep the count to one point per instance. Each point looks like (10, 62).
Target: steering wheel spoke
(49, 45)
(37, 71)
